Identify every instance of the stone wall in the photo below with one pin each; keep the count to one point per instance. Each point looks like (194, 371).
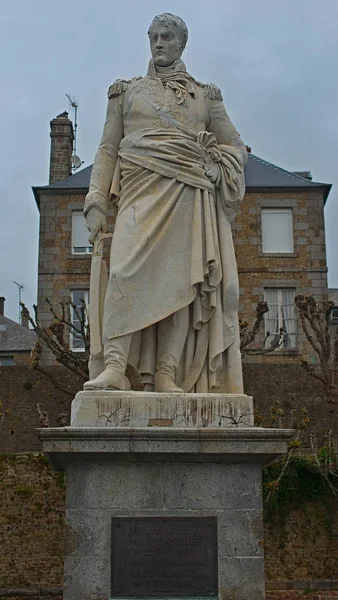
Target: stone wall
(21, 389)
(32, 530)
(288, 386)
(306, 549)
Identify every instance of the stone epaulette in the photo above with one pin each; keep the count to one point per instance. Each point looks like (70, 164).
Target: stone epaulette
(120, 85)
(212, 91)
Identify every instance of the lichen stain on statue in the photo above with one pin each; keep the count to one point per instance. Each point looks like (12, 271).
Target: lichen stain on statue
(172, 162)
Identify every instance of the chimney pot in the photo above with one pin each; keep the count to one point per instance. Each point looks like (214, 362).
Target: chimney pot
(2, 306)
(304, 174)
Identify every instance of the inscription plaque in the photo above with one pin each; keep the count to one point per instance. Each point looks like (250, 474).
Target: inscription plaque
(164, 557)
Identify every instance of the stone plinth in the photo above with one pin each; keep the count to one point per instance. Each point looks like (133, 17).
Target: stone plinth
(141, 409)
(169, 471)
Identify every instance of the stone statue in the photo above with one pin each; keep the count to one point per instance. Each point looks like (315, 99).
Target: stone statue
(172, 161)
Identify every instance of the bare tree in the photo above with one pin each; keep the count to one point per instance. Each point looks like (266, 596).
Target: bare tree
(315, 320)
(248, 334)
(53, 338)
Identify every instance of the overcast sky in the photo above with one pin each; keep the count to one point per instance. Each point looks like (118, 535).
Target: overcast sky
(276, 63)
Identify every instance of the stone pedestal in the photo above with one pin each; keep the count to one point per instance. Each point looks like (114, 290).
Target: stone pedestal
(150, 455)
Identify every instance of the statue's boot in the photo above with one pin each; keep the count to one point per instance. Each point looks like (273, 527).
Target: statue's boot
(172, 334)
(115, 359)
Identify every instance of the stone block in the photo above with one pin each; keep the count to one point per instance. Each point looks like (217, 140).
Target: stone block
(87, 577)
(88, 532)
(241, 578)
(200, 487)
(140, 409)
(240, 533)
(115, 485)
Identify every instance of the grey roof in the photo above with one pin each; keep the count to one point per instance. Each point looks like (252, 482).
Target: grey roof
(259, 173)
(80, 179)
(15, 337)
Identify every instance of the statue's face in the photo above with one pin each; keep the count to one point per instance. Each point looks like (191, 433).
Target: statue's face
(165, 45)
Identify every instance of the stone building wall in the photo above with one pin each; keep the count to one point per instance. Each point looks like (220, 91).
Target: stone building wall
(20, 358)
(305, 270)
(59, 270)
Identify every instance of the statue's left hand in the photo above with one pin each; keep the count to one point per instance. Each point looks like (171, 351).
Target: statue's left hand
(213, 172)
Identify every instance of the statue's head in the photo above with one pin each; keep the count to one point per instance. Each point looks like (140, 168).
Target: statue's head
(168, 36)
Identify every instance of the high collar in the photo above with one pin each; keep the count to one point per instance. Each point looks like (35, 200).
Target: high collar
(155, 71)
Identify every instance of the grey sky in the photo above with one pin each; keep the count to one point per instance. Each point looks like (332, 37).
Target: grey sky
(276, 63)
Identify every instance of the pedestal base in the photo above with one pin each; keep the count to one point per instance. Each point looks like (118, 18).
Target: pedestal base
(163, 472)
(142, 409)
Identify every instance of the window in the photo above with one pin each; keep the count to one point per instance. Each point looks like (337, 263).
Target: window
(6, 361)
(80, 244)
(76, 340)
(281, 314)
(277, 230)
(334, 314)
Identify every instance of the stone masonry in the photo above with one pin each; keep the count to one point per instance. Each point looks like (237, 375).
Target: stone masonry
(61, 149)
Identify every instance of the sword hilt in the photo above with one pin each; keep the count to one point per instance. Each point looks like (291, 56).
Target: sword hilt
(98, 242)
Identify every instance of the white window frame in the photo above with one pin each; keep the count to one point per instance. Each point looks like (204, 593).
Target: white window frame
(85, 295)
(265, 212)
(87, 248)
(289, 339)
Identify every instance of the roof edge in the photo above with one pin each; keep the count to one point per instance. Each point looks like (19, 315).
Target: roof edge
(319, 187)
(61, 191)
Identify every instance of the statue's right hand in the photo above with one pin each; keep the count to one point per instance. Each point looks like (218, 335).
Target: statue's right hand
(95, 221)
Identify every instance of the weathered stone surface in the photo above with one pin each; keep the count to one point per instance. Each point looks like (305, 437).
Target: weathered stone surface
(87, 578)
(142, 409)
(67, 445)
(122, 486)
(216, 486)
(241, 578)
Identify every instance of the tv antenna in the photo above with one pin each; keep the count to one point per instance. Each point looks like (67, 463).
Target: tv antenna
(20, 288)
(76, 161)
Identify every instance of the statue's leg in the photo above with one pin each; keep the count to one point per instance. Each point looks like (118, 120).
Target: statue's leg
(172, 335)
(115, 359)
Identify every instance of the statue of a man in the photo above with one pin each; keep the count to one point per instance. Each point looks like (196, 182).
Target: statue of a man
(172, 161)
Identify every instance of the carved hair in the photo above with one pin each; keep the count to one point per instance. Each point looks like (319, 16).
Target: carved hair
(169, 20)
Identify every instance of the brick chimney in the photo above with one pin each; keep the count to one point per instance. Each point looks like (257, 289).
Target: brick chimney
(24, 320)
(2, 306)
(61, 148)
